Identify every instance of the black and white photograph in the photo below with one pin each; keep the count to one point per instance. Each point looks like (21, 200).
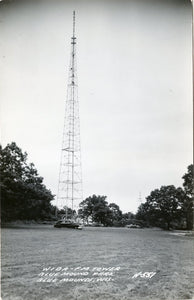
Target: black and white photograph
(96, 152)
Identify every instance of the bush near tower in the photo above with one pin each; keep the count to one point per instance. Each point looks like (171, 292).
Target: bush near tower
(23, 194)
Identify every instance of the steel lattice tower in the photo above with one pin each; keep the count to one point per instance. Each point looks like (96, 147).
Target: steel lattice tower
(70, 174)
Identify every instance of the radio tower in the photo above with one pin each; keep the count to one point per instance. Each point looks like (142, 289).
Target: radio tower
(70, 175)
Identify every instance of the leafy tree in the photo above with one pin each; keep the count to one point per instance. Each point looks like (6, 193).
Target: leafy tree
(96, 208)
(162, 206)
(90, 206)
(116, 213)
(66, 211)
(86, 210)
(126, 219)
(23, 194)
(128, 216)
(187, 203)
(102, 214)
(142, 212)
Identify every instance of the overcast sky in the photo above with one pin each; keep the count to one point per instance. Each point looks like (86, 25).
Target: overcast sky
(135, 90)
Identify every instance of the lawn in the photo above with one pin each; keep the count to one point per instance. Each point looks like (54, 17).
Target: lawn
(43, 262)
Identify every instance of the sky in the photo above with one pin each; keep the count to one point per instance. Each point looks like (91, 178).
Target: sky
(134, 68)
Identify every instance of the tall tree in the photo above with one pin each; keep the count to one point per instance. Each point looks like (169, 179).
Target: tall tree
(188, 201)
(96, 208)
(162, 206)
(23, 194)
(116, 213)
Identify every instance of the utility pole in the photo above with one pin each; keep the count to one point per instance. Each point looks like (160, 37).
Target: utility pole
(140, 199)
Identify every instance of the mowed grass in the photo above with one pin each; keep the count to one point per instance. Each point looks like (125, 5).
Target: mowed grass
(26, 250)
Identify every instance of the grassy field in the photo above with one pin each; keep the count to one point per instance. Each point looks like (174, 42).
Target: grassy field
(27, 250)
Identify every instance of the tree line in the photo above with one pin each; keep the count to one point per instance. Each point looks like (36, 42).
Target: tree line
(170, 206)
(25, 197)
(95, 209)
(23, 194)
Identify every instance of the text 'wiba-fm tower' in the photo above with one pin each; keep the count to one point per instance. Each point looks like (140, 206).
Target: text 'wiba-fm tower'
(70, 175)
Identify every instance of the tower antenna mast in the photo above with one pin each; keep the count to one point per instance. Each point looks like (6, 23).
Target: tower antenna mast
(70, 174)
